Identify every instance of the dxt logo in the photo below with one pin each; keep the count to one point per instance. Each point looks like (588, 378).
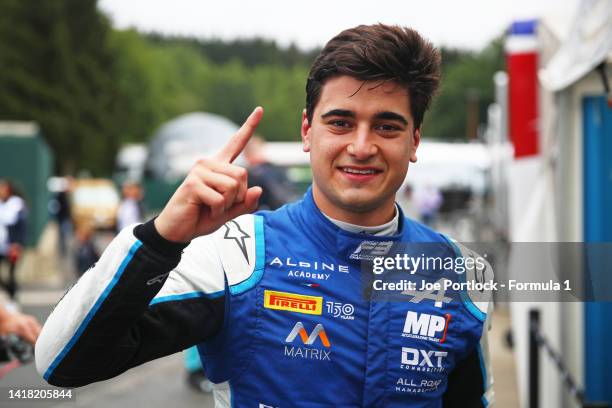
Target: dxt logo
(426, 327)
(422, 360)
(318, 331)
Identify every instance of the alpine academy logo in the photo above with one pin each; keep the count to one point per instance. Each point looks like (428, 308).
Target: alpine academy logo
(426, 327)
(318, 332)
(293, 302)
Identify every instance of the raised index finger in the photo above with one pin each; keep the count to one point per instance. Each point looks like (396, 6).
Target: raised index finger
(237, 143)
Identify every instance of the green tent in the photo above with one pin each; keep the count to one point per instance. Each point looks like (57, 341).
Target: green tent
(26, 160)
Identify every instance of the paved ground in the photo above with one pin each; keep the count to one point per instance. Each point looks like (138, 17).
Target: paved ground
(160, 383)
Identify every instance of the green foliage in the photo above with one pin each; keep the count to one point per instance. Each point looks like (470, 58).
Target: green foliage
(162, 79)
(251, 51)
(57, 70)
(93, 88)
(464, 75)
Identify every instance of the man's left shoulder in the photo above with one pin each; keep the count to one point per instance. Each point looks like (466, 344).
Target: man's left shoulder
(478, 278)
(415, 231)
(472, 270)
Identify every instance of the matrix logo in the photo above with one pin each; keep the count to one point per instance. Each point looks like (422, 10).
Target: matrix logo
(309, 353)
(426, 327)
(293, 302)
(318, 331)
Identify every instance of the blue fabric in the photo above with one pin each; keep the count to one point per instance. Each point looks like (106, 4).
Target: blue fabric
(183, 296)
(483, 369)
(524, 27)
(367, 361)
(192, 359)
(259, 260)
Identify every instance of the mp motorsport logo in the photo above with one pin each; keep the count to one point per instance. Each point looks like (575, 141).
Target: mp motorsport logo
(426, 327)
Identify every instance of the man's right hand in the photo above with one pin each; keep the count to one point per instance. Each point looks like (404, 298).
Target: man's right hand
(214, 192)
(25, 326)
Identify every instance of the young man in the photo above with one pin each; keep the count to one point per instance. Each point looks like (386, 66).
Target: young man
(13, 219)
(275, 300)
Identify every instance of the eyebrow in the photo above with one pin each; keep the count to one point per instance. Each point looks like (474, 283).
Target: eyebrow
(391, 116)
(385, 115)
(339, 112)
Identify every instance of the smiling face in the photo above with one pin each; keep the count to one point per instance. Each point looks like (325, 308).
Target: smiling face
(361, 141)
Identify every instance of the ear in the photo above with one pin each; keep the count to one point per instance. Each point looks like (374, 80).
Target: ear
(415, 144)
(305, 131)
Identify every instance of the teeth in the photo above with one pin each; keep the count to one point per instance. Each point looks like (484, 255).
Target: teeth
(355, 171)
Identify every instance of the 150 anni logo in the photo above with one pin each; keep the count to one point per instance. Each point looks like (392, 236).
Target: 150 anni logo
(342, 310)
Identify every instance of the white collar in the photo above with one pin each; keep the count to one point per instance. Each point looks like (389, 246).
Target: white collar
(388, 228)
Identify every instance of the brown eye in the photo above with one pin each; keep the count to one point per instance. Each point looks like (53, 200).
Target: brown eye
(388, 128)
(340, 123)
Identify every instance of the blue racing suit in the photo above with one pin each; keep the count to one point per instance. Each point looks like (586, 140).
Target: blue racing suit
(285, 313)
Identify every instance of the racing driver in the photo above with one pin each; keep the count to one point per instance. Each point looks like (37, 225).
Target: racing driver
(275, 301)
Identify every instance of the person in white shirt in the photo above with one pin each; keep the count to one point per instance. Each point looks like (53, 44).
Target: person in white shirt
(13, 214)
(130, 210)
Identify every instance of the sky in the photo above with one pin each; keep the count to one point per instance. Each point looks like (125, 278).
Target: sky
(470, 24)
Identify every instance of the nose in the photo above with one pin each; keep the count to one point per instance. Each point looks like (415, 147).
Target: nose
(361, 147)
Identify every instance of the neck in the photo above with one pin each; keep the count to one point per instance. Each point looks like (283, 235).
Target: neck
(380, 215)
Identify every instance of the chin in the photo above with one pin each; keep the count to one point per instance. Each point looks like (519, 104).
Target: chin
(359, 203)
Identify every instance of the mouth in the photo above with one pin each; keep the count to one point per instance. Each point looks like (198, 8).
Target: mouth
(360, 173)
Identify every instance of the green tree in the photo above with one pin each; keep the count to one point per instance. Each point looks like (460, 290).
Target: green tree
(464, 74)
(57, 71)
(93, 88)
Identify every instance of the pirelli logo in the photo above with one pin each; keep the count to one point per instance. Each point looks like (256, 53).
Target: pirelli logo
(293, 302)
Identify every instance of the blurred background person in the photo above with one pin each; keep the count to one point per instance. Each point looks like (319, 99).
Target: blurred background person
(59, 208)
(428, 201)
(130, 209)
(277, 189)
(13, 217)
(86, 253)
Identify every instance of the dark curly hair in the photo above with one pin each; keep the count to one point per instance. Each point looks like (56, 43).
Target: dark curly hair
(379, 53)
